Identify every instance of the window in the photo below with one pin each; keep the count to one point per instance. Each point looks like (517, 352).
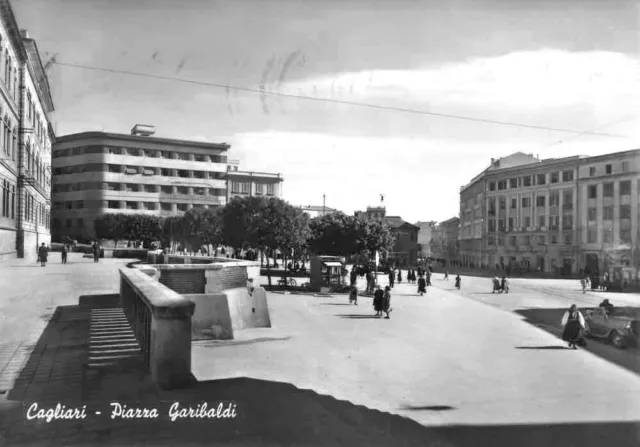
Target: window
(607, 235)
(593, 191)
(149, 206)
(567, 222)
(514, 203)
(542, 220)
(199, 191)
(591, 214)
(625, 166)
(592, 171)
(555, 177)
(165, 206)
(113, 204)
(502, 185)
(568, 239)
(542, 240)
(165, 172)
(540, 200)
(182, 190)
(625, 211)
(259, 189)
(166, 189)
(567, 200)
(512, 223)
(527, 221)
(554, 238)
(79, 204)
(184, 156)
(625, 236)
(526, 202)
(608, 213)
(608, 169)
(69, 224)
(246, 187)
(80, 223)
(625, 188)
(235, 187)
(182, 207)
(541, 179)
(200, 157)
(501, 224)
(513, 241)
(513, 183)
(114, 168)
(554, 199)
(554, 222)
(607, 190)
(526, 181)
(132, 205)
(182, 173)
(271, 189)
(492, 186)
(567, 176)
(503, 203)
(592, 235)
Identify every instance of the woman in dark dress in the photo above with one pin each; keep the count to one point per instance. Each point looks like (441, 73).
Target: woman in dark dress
(399, 276)
(386, 302)
(42, 255)
(378, 297)
(422, 285)
(573, 323)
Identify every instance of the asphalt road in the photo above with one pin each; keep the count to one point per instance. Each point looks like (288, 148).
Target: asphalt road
(543, 302)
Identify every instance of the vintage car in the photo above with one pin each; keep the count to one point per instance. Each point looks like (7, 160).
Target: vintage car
(620, 328)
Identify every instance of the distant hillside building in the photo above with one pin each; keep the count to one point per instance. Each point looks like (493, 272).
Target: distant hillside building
(318, 210)
(251, 183)
(406, 249)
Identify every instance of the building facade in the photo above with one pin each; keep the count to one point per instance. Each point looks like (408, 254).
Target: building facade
(425, 234)
(95, 173)
(252, 184)
(318, 210)
(556, 215)
(445, 243)
(26, 137)
(406, 248)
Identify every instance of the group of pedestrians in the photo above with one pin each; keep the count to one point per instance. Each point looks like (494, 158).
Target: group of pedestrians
(43, 253)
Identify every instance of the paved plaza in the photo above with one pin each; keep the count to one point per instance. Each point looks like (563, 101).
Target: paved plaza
(451, 368)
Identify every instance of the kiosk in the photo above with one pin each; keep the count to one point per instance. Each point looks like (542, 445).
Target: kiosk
(326, 273)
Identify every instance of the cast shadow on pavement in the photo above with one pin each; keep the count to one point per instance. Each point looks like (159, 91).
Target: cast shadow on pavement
(269, 413)
(336, 304)
(358, 317)
(549, 321)
(543, 347)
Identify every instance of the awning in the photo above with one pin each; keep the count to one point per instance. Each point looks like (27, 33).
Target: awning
(332, 264)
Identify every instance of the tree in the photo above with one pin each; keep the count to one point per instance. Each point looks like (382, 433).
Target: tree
(141, 227)
(373, 236)
(334, 234)
(202, 226)
(111, 226)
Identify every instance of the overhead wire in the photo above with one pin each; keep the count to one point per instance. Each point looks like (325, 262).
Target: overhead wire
(328, 100)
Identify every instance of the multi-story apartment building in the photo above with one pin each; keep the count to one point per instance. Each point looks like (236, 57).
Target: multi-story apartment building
(250, 184)
(555, 215)
(96, 173)
(445, 244)
(25, 142)
(424, 238)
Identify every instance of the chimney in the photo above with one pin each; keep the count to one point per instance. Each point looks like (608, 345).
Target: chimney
(493, 160)
(24, 33)
(143, 130)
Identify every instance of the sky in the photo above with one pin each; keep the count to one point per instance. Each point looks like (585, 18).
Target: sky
(559, 64)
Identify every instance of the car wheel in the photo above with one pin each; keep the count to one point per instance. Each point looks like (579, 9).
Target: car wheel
(617, 340)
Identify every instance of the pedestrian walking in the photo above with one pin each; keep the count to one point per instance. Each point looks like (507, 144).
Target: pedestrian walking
(392, 278)
(446, 275)
(458, 282)
(42, 255)
(399, 276)
(422, 285)
(64, 253)
(386, 302)
(96, 252)
(353, 294)
(573, 323)
(378, 297)
(428, 279)
(583, 284)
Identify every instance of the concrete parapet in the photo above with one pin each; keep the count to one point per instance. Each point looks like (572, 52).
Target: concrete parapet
(219, 315)
(161, 320)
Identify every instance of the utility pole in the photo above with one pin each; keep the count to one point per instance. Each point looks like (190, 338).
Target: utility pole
(323, 204)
